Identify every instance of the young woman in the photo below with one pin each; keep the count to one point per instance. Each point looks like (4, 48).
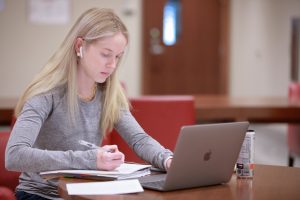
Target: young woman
(77, 96)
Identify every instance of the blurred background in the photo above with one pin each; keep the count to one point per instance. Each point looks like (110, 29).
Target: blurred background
(227, 47)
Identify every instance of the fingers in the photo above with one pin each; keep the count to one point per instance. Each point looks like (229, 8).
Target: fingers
(111, 148)
(112, 160)
(115, 156)
(168, 164)
(109, 161)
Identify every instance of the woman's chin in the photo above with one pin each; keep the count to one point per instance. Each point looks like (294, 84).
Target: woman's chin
(101, 80)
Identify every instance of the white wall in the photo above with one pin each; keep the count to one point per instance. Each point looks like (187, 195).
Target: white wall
(26, 47)
(260, 46)
(259, 56)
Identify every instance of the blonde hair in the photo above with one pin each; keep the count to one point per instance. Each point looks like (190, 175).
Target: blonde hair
(61, 68)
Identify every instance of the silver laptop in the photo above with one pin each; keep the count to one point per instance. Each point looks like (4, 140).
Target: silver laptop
(204, 155)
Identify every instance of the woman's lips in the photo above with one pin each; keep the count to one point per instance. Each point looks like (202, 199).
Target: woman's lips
(105, 73)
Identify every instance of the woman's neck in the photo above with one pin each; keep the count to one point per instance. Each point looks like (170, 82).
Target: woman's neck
(87, 93)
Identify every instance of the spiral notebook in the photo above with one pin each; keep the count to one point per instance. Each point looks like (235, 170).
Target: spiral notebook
(125, 171)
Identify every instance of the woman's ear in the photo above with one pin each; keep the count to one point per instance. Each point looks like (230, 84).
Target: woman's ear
(78, 46)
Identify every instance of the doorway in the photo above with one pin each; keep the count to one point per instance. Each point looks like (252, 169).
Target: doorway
(197, 63)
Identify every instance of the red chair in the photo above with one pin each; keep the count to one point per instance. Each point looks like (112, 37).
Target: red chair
(293, 134)
(6, 194)
(8, 180)
(161, 117)
(107, 140)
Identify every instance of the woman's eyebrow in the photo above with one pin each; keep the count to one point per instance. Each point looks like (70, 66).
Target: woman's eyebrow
(122, 52)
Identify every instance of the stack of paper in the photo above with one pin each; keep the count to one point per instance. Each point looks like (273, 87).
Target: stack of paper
(125, 171)
(105, 188)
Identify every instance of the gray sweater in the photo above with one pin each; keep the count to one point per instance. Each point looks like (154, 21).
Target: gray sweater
(43, 139)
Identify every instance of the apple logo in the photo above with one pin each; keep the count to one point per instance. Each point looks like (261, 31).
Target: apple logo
(207, 155)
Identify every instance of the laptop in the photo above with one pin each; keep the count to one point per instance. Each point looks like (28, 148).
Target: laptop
(204, 155)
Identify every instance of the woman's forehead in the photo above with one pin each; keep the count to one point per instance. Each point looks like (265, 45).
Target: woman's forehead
(116, 42)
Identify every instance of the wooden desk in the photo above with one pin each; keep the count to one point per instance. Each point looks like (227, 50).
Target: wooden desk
(269, 182)
(216, 108)
(212, 108)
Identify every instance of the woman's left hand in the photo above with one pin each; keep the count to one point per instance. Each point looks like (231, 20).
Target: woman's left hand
(168, 163)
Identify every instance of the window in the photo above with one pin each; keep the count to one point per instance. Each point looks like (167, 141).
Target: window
(171, 22)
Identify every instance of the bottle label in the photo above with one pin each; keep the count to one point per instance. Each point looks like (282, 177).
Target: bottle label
(245, 162)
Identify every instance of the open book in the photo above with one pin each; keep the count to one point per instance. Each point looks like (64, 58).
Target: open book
(125, 171)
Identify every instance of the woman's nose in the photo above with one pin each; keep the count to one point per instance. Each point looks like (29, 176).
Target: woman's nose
(112, 63)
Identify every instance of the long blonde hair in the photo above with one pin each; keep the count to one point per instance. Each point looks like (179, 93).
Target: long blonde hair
(61, 68)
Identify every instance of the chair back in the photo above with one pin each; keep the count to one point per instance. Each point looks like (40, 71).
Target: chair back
(161, 117)
(107, 140)
(6, 194)
(293, 137)
(8, 178)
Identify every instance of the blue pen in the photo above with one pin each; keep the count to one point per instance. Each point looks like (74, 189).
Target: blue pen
(93, 146)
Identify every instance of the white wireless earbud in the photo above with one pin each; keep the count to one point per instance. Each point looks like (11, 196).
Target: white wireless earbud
(80, 52)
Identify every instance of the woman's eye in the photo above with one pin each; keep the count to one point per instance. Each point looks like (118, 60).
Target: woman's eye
(106, 55)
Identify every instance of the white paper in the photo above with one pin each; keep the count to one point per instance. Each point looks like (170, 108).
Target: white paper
(105, 188)
(49, 12)
(125, 168)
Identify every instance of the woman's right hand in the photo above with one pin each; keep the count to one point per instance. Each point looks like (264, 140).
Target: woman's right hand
(109, 157)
